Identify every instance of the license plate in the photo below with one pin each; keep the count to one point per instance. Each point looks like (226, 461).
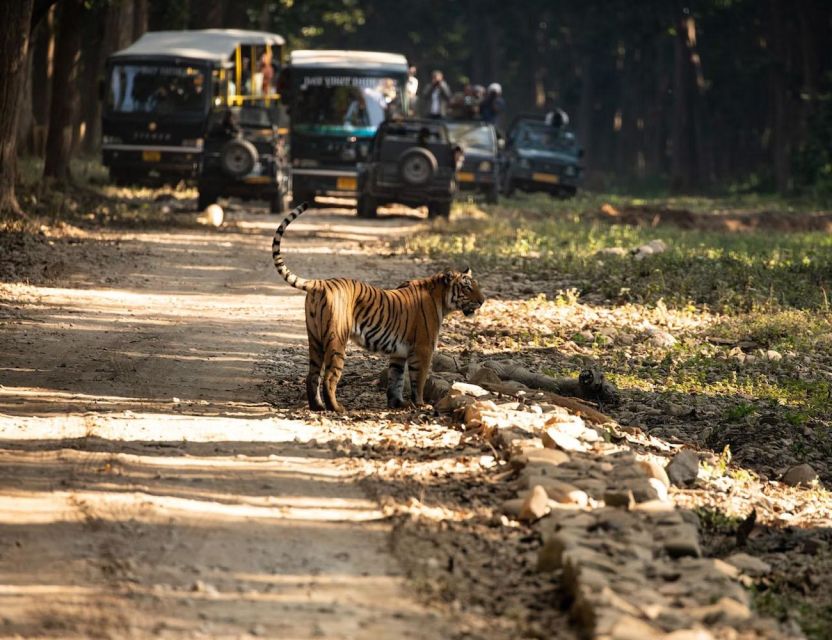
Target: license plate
(151, 156)
(346, 184)
(545, 177)
(466, 176)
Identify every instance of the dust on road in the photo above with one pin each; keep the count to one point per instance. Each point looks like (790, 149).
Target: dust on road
(146, 487)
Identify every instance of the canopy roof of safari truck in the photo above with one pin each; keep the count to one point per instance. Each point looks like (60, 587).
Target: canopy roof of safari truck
(212, 45)
(348, 60)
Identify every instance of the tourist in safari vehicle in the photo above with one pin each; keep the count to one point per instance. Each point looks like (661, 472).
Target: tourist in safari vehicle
(336, 101)
(197, 104)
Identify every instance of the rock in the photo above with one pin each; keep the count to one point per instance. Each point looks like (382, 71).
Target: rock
(451, 403)
(484, 375)
(726, 569)
(773, 355)
(678, 410)
(619, 498)
(683, 468)
(535, 504)
(725, 611)
(213, 215)
(554, 438)
(619, 252)
(513, 507)
(642, 490)
(631, 628)
(554, 457)
(749, 565)
(203, 587)
(661, 338)
(469, 389)
(802, 474)
(689, 634)
(659, 487)
(565, 493)
(474, 412)
(683, 545)
(653, 469)
(550, 555)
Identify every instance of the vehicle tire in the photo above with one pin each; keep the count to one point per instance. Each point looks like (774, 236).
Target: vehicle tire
(206, 198)
(238, 158)
(417, 166)
(367, 207)
(439, 209)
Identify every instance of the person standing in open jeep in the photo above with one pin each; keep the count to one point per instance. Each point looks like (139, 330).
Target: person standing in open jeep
(493, 104)
(437, 96)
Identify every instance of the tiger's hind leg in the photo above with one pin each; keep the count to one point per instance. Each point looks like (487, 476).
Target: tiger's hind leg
(313, 378)
(418, 362)
(333, 367)
(395, 383)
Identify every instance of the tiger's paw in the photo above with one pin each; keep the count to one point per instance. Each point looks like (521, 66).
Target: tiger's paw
(399, 403)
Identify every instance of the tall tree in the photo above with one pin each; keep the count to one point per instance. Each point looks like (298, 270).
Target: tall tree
(15, 19)
(64, 90)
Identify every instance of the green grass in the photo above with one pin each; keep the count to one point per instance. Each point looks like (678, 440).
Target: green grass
(724, 272)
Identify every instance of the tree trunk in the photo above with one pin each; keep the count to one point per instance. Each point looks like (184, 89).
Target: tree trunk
(586, 109)
(140, 18)
(64, 90)
(15, 20)
(780, 140)
(43, 53)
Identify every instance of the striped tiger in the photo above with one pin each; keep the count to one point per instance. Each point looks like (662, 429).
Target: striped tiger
(403, 323)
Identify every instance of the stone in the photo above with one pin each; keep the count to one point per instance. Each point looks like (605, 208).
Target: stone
(725, 611)
(565, 493)
(474, 412)
(661, 338)
(643, 491)
(655, 506)
(683, 469)
(593, 486)
(682, 546)
(451, 403)
(550, 555)
(535, 504)
(619, 498)
(557, 439)
(659, 487)
(483, 375)
(689, 634)
(513, 507)
(469, 389)
(631, 628)
(749, 565)
(728, 570)
(554, 457)
(800, 475)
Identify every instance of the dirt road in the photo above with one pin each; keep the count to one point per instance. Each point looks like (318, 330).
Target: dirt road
(146, 487)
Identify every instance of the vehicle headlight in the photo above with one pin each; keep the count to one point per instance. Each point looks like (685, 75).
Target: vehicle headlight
(193, 142)
(111, 140)
(484, 166)
(525, 164)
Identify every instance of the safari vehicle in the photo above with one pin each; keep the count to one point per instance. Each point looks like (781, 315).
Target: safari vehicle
(160, 93)
(542, 155)
(480, 170)
(411, 162)
(336, 101)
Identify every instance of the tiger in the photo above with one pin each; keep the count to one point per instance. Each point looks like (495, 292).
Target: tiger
(403, 323)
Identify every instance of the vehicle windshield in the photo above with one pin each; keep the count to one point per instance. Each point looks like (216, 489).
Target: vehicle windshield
(344, 104)
(538, 137)
(471, 136)
(156, 89)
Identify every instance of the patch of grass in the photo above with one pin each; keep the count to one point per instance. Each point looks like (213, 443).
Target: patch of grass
(784, 602)
(726, 272)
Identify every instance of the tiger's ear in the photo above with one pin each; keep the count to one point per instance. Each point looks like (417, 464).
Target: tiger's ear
(467, 271)
(447, 276)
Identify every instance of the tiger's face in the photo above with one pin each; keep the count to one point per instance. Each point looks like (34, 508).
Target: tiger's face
(463, 292)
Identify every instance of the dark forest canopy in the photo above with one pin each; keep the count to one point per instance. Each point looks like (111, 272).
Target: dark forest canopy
(693, 96)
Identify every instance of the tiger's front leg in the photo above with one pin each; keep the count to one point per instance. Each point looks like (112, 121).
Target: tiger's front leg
(419, 365)
(395, 383)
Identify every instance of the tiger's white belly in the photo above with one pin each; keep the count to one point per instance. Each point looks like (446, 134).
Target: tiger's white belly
(377, 342)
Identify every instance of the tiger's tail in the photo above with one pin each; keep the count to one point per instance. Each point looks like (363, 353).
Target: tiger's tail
(293, 279)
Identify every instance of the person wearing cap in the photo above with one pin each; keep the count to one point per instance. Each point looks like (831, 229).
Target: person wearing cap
(492, 104)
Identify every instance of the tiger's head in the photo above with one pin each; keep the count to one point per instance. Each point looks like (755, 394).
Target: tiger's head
(462, 292)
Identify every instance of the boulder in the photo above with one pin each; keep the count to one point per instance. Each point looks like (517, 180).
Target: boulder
(800, 475)
(683, 468)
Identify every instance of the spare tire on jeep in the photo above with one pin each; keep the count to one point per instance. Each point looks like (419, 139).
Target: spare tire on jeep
(238, 157)
(417, 166)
